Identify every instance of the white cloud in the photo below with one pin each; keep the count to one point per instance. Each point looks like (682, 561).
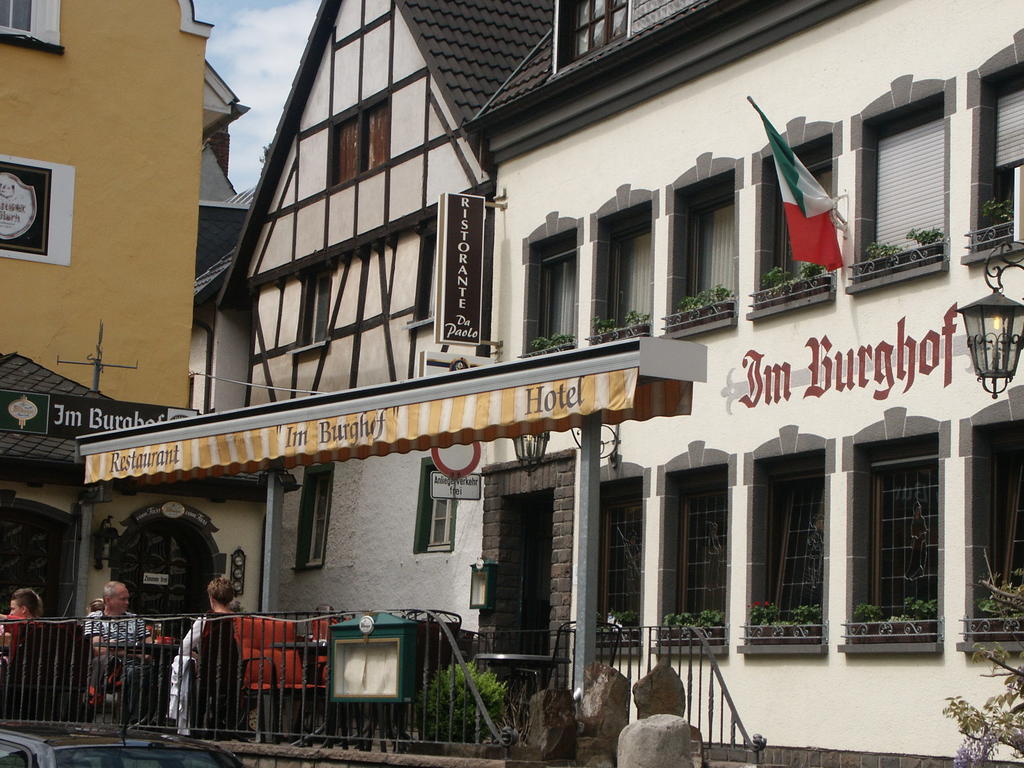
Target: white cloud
(257, 52)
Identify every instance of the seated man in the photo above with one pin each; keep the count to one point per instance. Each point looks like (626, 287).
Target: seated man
(116, 635)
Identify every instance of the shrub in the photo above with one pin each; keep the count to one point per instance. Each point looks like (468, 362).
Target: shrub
(925, 236)
(449, 708)
(881, 251)
(998, 211)
(867, 612)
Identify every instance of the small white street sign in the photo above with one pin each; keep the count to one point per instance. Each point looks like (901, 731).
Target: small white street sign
(443, 487)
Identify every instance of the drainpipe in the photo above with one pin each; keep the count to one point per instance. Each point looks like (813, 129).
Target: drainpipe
(271, 540)
(585, 571)
(87, 501)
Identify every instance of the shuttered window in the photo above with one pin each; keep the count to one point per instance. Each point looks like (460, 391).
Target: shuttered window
(378, 136)
(1010, 129)
(346, 151)
(911, 181)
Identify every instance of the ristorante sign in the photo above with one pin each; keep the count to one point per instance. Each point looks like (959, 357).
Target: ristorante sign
(460, 270)
(414, 426)
(886, 366)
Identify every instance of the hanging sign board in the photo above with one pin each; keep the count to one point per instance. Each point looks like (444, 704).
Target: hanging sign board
(466, 488)
(459, 311)
(59, 415)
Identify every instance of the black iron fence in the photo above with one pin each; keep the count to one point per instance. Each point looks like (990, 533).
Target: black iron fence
(269, 677)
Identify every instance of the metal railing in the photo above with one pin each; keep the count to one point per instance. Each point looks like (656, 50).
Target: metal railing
(269, 678)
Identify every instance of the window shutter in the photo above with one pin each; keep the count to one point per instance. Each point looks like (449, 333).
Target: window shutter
(911, 182)
(1010, 129)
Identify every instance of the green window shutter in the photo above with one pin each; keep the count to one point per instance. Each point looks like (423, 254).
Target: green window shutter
(307, 513)
(424, 508)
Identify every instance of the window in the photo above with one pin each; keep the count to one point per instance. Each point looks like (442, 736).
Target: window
(425, 277)
(630, 271)
(1009, 150)
(16, 14)
(910, 190)
(703, 550)
(796, 530)
(361, 143)
(711, 248)
(435, 518)
(558, 288)
(594, 23)
(314, 516)
(1006, 533)
(621, 559)
(817, 158)
(12, 757)
(316, 308)
(904, 535)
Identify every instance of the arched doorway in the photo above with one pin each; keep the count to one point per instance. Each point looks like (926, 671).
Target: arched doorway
(166, 561)
(30, 556)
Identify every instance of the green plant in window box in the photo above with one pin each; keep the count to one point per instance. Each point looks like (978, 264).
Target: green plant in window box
(1006, 596)
(776, 279)
(809, 271)
(997, 211)
(705, 298)
(625, 618)
(549, 342)
(764, 613)
(881, 251)
(917, 610)
(867, 612)
(806, 614)
(636, 318)
(601, 326)
(926, 236)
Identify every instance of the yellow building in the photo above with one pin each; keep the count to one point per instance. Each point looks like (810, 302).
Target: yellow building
(99, 162)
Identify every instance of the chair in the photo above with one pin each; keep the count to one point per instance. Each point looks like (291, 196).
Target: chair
(47, 673)
(271, 677)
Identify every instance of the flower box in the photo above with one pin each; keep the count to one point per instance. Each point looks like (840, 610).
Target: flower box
(875, 632)
(784, 634)
(666, 638)
(641, 329)
(797, 292)
(706, 315)
(866, 270)
(990, 237)
(548, 350)
(994, 630)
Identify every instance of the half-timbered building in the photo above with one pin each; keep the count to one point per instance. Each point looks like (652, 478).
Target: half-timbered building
(336, 263)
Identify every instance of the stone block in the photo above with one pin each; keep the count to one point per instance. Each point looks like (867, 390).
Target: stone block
(658, 741)
(604, 708)
(594, 753)
(553, 724)
(660, 692)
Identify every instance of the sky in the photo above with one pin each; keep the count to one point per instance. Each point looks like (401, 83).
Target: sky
(255, 47)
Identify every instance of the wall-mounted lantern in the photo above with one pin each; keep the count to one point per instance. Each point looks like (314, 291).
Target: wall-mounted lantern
(373, 658)
(483, 584)
(103, 541)
(530, 449)
(994, 327)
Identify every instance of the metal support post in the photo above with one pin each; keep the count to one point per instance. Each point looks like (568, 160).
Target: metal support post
(84, 558)
(271, 542)
(587, 554)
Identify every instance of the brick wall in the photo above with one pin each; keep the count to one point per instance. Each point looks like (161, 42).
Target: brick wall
(506, 486)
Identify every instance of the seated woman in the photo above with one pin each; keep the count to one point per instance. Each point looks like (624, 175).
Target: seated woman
(25, 605)
(221, 595)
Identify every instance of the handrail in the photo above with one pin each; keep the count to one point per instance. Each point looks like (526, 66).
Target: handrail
(758, 743)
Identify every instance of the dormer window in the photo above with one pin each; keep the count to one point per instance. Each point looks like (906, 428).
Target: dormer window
(591, 24)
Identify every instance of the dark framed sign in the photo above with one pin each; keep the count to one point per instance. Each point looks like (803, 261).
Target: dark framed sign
(459, 314)
(36, 210)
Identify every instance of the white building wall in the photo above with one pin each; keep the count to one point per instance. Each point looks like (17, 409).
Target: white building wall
(829, 73)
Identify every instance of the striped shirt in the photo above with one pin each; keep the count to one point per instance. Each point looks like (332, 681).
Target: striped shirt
(126, 629)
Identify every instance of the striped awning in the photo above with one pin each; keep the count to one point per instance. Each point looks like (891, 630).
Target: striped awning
(504, 400)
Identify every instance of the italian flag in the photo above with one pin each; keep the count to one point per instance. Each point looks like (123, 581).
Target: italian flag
(812, 233)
